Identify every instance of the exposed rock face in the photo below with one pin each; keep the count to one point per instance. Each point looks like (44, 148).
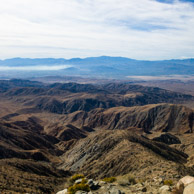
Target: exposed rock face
(167, 138)
(160, 117)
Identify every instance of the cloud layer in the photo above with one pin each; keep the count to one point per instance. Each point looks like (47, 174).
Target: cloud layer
(34, 68)
(142, 29)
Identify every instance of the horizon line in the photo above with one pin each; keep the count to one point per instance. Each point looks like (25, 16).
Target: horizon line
(82, 58)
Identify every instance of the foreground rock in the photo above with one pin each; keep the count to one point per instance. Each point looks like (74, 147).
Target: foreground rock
(62, 192)
(189, 189)
(165, 189)
(185, 184)
(154, 186)
(94, 185)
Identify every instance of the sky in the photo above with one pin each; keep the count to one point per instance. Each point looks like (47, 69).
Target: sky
(138, 29)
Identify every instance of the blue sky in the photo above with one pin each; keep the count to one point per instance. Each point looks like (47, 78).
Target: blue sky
(141, 29)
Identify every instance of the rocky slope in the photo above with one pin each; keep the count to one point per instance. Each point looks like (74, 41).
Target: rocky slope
(113, 153)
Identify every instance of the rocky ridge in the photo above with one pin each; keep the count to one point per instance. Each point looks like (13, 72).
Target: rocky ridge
(149, 118)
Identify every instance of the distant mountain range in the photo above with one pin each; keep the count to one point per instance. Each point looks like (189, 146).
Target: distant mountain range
(104, 66)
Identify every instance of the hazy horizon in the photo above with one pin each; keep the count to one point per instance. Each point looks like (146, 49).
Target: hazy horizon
(66, 58)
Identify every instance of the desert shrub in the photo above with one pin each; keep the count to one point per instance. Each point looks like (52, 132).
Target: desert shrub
(168, 182)
(84, 181)
(78, 187)
(109, 179)
(76, 177)
(132, 179)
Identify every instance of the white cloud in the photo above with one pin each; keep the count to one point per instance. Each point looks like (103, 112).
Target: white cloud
(142, 29)
(34, 68)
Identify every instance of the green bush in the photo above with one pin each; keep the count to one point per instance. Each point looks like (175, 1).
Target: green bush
(109, 179)
(78, 187)
(168, 182)
(76, 177)
(84, 181)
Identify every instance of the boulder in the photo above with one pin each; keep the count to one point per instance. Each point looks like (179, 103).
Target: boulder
(78, 181)
(189, 189)
(81, 192)
(102, 183)
(90, 182)
(94, 185)
(115, 191)
(62, 192)
(164, 189)
(182, 183)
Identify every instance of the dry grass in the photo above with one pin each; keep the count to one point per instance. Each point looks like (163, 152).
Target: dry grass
(109, 179)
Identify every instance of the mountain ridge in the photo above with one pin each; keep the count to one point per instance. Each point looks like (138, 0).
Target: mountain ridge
(148, 118)
(104, 66)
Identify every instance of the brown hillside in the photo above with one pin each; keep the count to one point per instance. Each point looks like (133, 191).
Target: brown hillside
(160, 117)
(66, 132)
(23, 140)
